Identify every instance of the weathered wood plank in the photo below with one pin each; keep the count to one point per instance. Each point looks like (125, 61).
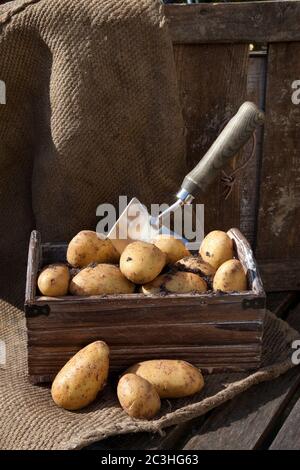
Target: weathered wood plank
(281, 303)
(288, 437)
(248, 177)
(212, 84)
(34, 253)
(234, 22)
(278, 241)
(275, 299)
(244, 423)
(278, 275)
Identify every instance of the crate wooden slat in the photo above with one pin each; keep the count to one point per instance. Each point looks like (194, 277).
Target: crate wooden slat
(214, 331)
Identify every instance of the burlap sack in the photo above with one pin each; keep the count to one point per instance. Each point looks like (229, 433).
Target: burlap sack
(92, 112)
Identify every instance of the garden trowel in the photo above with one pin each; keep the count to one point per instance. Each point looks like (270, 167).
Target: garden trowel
(135, 223)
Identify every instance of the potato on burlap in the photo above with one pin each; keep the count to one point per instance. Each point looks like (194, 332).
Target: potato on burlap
(172, 247)
(54, 279)
(177, 283)
(88, 247)
(171, 378)
(141, 262)
(216, 248)
(82, 377)
(138, 397)
(230, 277)
(101, 279)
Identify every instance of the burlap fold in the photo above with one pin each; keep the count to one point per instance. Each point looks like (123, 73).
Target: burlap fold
(92, 112)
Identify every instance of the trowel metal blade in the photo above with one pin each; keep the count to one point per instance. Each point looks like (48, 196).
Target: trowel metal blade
(135, 223)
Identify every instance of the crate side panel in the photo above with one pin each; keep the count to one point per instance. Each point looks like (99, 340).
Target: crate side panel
(225, 313)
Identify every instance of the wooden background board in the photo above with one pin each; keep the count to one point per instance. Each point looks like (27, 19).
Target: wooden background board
(279, 209)
(214, 79)
(212, 84)
(234, 22)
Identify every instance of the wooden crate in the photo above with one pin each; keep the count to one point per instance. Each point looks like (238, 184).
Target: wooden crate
(214, 331)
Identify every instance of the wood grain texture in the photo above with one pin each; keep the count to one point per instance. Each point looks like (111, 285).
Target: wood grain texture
(244, 423)
(279, 275)
(34, 254)
(278, 241)
(249, 176)
(288, 437)
(151, 334)
(234, 22)
(287, 303)
(212, 85)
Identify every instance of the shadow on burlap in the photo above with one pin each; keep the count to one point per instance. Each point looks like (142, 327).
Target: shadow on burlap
(92, 112)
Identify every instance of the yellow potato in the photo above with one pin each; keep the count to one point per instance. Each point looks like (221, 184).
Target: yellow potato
(230, 277)
(196, 265)
(82, 378)
(100, 280)
(172, 247)
(88, 247)
(54, 280)
(177, 283)
(171, 378)
(216, 248)
(142, 262)
(138, 397)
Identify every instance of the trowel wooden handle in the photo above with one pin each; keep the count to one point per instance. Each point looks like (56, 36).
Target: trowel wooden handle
(233, 137)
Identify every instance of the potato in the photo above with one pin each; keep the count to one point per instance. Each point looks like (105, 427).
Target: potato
(196, 265)
(100, 279)
(88, 247)
(141, 262)
(216, 248)
(171, 378)
(179, 283)
(172, 247)
(82, 377)
(54, 280)
(138, 397)
(230, 277)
